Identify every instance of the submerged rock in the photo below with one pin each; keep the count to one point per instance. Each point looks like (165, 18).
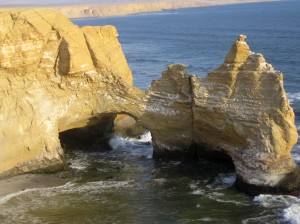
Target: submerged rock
(57, 77)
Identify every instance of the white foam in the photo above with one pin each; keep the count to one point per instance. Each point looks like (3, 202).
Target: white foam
(198, 192)
(267, 200)
(293, 97)
(118, 141)
(133, 146)
(289, 204)
(146, 137)
(225, 180)
(160, 181)
(71, 188)
(94, 187)
(219, 197)
(292, 214)
(6, 198)
(259, 219)
(78, 164)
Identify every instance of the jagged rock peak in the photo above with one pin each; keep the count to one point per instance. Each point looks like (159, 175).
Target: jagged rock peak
(239, 51)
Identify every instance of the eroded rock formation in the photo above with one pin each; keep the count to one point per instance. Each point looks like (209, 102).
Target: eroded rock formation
(240, 109)
(56, 77)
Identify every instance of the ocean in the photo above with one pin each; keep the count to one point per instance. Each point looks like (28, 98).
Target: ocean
(125, 185)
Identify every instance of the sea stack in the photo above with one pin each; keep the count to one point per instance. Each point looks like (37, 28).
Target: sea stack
(239, 110)
(242, 109)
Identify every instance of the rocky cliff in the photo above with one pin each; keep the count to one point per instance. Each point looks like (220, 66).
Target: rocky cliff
(127, 7)
(57, 77)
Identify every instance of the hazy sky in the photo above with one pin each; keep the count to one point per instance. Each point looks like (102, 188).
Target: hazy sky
(43, 2)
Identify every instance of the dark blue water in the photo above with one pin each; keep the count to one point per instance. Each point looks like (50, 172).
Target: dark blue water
(126, 185)
(201, 38)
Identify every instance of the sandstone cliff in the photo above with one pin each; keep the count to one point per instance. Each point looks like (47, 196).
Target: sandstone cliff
(55, 77)
(127, 7)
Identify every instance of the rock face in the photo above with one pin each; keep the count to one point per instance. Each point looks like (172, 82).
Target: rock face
(56, 77)
(168, 113)
(240, 109)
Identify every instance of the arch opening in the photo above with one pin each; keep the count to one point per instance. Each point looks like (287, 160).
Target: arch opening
(96, 133)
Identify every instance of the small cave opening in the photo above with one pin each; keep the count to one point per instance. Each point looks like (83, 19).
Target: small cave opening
(97, 133)
(105, 147)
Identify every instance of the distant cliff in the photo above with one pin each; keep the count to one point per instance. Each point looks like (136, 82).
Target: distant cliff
(130, 7)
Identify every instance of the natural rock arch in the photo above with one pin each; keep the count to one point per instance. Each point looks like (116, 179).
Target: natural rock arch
(56, 76)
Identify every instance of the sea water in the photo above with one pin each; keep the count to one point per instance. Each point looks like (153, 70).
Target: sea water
(126, 185)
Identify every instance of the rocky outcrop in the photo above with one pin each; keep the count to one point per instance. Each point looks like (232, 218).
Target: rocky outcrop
(56, 77)
(240, 109)
(59, 78)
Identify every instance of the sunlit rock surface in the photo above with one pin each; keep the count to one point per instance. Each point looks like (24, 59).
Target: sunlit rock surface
(168, 113)
(57, 77)
(240, 109)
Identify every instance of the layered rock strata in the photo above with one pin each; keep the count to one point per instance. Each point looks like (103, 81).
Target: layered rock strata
(240, 109)
(168, 113)
(56, 77)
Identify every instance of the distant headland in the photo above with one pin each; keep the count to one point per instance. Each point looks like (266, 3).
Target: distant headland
(105, 8)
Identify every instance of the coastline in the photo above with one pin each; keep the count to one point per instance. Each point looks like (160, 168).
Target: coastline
(76, 11)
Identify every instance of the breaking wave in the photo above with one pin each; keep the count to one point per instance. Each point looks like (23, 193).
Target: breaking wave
(294, 97)
(141, 146)
(288, 206)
